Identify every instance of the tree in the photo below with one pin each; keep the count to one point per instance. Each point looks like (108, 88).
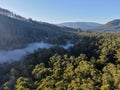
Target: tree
(23, 84)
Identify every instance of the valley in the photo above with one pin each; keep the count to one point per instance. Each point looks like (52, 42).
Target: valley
(36, 55)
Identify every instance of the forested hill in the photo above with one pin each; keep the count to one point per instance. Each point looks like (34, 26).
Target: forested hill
(110, 27)
(8, 13)
(16, 31)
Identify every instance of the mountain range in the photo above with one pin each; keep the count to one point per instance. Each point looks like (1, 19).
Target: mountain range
(110, 27)
(83, 25)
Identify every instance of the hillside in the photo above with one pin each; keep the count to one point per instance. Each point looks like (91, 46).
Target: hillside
(112, 27)
(82, 25)
(17, 31)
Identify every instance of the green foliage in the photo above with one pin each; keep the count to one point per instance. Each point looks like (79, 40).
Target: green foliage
(22, 84)
(93, 63)
(6, 86)
(62, 73)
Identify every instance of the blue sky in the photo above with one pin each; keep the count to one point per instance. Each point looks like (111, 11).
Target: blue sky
(57, 11)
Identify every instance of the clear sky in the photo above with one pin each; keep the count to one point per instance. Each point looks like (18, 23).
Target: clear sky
(57, 11)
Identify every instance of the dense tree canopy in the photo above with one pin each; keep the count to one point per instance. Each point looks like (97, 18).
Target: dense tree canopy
(93, 63)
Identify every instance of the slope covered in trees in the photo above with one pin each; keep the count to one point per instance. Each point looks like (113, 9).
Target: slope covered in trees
(92, 64)
(112, 26)
(17, 31)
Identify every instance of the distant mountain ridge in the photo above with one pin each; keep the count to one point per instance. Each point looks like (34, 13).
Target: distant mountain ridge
(112, 26)
(82, 25)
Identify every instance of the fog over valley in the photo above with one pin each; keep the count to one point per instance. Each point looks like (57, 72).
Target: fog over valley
(18, 54)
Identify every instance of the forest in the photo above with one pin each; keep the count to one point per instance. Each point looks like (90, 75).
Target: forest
(15, 33)
(93, 63)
